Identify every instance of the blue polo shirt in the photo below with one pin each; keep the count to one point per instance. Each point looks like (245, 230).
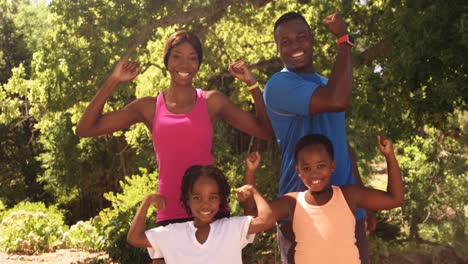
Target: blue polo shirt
(287, 98)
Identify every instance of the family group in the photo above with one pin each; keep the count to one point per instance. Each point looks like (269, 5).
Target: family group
(320, 211)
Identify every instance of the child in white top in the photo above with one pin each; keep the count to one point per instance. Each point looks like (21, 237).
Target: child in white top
(213, 236)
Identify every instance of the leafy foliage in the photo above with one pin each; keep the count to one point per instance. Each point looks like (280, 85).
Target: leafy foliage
(409, 83)
(82, 235)
(31, 228)
(113, 223)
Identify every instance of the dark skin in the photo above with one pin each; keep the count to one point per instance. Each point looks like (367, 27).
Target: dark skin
(204, 201)
(180, 98)
(315, 166)
(295, 44)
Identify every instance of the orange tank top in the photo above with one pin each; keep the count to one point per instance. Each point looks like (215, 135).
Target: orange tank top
(325, 234)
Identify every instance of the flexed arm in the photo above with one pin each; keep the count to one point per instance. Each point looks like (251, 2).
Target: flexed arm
(395, 189)
(265, 218)
(258, 125)
(252, 161)
(336, 95)
(136, 234)
(93, 122)
(372, 199)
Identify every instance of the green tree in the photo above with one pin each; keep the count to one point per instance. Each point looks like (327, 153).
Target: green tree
(410, 77)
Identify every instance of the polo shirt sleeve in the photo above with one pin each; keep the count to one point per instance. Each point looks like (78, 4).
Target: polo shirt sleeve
(289, 93)
(156, 236)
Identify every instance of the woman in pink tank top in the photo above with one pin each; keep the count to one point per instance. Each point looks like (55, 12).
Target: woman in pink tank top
(181, 118)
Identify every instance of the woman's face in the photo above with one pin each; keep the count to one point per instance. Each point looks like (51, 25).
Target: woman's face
(183, 63)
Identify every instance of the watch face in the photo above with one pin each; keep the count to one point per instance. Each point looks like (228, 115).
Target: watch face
(351, 39)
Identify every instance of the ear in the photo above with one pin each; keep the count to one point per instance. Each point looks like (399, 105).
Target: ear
(297, 170)
(333, 166)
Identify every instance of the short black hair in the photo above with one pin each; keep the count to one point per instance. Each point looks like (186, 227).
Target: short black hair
(288, 17)
(192, 174)
(311, 140)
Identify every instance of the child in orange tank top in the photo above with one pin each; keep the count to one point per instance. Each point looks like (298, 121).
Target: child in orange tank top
(323, 216)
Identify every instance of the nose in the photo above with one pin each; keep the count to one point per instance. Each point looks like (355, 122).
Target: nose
(294, 45)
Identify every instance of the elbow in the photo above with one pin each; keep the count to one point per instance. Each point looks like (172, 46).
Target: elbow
(398, 201)
(267, 133)
(271, 222)
(81, 132)
(341, 104)
(401, 200)
(130, 239)
(269, 136)
(268, 222)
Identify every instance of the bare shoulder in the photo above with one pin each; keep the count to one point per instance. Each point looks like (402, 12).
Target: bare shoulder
(146, 107)
(349, 188)
(216, 101)
(351, 193)
(288, 198)
(142, 104)
(291, 195)
(214, 95)
(147, 100)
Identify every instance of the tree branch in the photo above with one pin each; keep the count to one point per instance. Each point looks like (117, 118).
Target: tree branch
(369, 55)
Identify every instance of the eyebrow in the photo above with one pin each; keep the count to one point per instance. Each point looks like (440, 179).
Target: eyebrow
(191, 53)
(217, 193)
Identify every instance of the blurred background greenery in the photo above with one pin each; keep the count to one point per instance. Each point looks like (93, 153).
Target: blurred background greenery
(410, 83)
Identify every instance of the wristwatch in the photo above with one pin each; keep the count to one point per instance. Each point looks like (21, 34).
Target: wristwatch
(346, 39)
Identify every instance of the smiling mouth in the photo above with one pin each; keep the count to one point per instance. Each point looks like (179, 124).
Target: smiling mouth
(205, 213)
(316, 181)
(183, 74)
(297, 54)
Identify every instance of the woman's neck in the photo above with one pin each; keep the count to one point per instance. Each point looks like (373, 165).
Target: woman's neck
(180, 99)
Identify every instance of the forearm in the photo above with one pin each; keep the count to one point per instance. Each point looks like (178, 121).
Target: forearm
(395, 182)
(136, 234)
(264, 210)
(340, 81)
(249, 205)
(262, 116)
(355, 168)
(94, 109)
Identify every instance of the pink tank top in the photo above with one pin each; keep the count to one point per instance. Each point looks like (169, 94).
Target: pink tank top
(179, 141)
(325, 234)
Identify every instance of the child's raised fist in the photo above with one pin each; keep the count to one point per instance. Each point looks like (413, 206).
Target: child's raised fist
(252, 161)
(156, 200)
(385, 145)
(245, 192)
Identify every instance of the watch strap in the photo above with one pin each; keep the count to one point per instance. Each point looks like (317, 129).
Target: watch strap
(346, 39)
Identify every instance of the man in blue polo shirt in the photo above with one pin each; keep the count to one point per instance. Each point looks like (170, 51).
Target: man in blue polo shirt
(299, 102)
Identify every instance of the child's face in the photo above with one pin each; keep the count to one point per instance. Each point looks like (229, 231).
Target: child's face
(204, 200)
(315, 167)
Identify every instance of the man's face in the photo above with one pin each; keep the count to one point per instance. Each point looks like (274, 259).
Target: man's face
(294, 42)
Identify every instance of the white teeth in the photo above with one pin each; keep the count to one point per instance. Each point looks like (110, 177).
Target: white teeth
(183, 74)
(205, 213)
(298, 54)
(316, 181)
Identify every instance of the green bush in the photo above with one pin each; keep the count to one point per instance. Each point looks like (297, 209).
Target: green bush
(31, 228)
(113, 223)
(434, 168)
(82, 235)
